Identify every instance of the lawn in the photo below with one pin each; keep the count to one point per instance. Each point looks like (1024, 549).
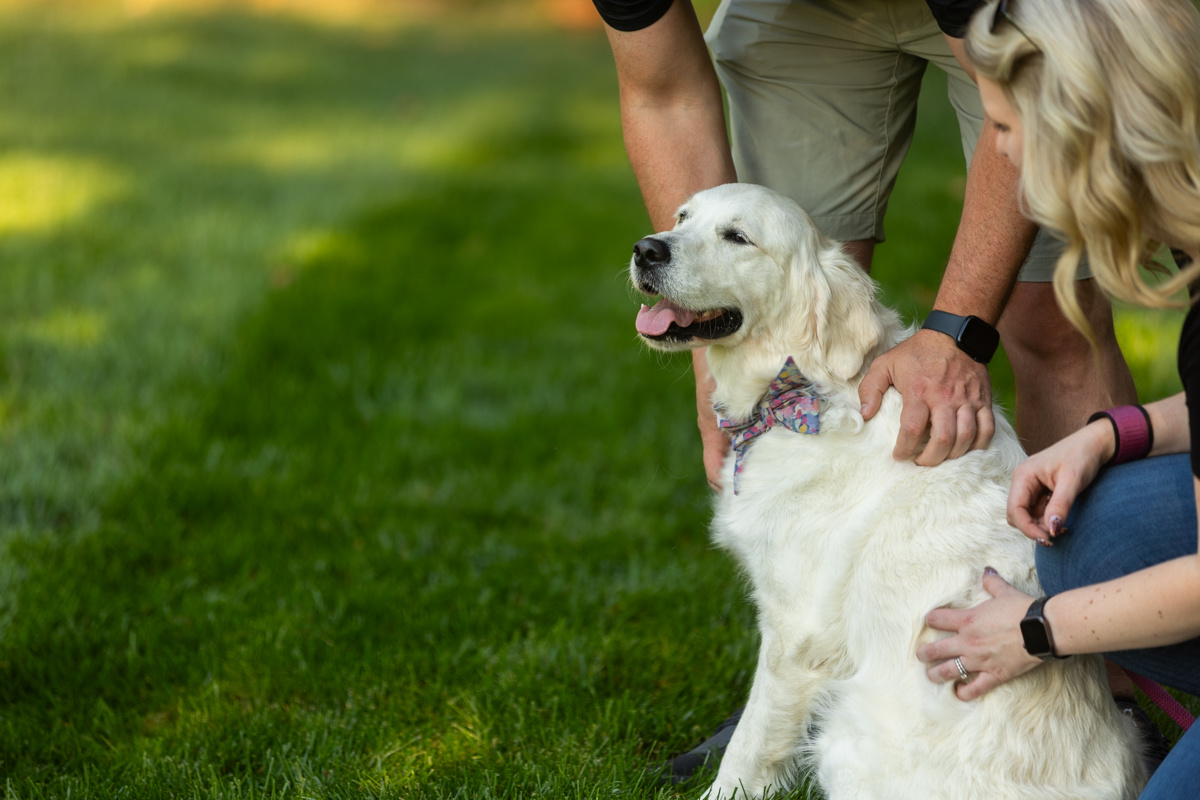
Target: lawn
(330, 465)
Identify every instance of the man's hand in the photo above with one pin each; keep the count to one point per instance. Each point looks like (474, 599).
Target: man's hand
(716, 447)
(945, 392)
(715, 440)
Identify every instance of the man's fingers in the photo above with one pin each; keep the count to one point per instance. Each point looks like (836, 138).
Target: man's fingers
(874, 385)
(941, 437)
(914, 417)
(985, 429)
(966, 431)
(713, 461)
(715, 446)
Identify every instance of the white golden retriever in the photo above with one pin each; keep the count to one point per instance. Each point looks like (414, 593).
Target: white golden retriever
(847, 549)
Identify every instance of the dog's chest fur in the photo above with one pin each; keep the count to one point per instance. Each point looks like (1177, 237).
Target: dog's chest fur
(829, 527)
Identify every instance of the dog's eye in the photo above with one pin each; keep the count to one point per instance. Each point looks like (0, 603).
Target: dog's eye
(735, 236)
(680, 217)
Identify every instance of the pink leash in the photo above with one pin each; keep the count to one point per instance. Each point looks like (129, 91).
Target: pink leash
(1158, 695)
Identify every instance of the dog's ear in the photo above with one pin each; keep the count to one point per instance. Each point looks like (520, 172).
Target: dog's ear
(847, 324)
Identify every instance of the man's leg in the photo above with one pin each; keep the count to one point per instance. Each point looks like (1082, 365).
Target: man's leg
(862, 251)
(1060, 380)
(822, 104)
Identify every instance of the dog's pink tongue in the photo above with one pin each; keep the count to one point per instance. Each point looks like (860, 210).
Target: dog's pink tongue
(655, 321)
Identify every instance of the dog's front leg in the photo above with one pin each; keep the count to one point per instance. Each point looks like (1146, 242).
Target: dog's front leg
(763, 753)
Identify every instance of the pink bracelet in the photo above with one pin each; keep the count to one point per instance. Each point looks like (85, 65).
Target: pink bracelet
(1131, 427)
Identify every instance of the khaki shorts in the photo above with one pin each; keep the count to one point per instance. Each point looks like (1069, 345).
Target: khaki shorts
(823, 102)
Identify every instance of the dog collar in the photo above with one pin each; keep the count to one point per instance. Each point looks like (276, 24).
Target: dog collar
(790, 401)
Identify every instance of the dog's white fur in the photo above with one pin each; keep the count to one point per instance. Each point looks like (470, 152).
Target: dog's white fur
(847, 550)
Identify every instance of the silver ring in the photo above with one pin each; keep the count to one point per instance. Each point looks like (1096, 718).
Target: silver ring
(962, 671)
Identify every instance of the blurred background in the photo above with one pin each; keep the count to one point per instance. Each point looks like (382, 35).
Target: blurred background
(330, 464)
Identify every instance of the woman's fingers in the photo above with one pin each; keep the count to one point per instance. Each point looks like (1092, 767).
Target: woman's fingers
(978, 686)
(946, 619)
(1026, 499)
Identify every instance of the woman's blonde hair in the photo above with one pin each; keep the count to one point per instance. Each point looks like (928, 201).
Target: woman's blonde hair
(1108, 93)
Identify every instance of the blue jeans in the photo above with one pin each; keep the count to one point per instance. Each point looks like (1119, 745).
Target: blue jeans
(1134, 516)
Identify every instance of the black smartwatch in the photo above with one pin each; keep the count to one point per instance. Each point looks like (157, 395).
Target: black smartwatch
(1036, 632)
(972, 335)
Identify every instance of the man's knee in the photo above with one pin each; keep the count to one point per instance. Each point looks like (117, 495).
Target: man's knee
(1034, 328)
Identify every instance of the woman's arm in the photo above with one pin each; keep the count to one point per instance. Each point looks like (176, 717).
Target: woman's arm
(1169, 421)
(1149, 608)
(1046, 485)
(1156, 606)
(1153, 607)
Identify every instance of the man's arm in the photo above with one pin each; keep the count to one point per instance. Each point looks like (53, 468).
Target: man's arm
(672, 115)
(673, 121)
(944, 390)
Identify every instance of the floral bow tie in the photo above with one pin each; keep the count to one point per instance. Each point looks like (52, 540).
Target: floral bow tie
(790, 401)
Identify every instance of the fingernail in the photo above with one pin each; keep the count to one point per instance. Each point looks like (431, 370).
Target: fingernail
(862, 409)
(1055, 525)
(1045, 542)
(989, 571)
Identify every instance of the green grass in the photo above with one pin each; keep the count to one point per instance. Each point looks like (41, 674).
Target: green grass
(330, 464)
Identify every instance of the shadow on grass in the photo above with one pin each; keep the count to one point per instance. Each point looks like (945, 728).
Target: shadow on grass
(423, 532)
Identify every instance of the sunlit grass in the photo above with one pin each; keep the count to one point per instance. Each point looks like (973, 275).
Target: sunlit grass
(1148, 340)
(65, 329)
(41, 192)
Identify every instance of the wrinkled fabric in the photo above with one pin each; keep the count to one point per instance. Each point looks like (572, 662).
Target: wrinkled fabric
(790, 401)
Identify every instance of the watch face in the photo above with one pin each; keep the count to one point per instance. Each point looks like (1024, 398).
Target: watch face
(1037, 643)
(978, 339)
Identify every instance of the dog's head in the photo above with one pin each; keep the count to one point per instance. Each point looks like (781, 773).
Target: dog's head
(745, 269)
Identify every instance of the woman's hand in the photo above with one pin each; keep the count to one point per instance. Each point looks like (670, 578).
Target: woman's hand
(1045, 486)
(988, 640)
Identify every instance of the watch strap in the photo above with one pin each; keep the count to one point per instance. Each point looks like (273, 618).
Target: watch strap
(973, 336)
(1036, 616)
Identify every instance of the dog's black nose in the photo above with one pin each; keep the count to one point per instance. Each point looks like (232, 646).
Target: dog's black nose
(650, 253)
